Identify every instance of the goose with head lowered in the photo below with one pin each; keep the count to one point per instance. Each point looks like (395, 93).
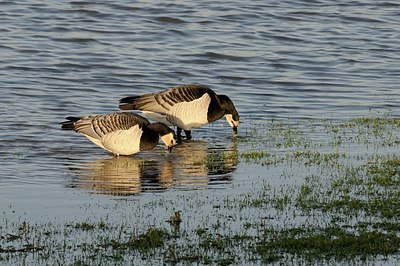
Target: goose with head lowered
(121, 133)
(186, 106)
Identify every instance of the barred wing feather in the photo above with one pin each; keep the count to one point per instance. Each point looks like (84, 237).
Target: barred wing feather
(97, 126)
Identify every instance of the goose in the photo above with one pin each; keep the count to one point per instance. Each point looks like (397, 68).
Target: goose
(121, 133)
(187, 106)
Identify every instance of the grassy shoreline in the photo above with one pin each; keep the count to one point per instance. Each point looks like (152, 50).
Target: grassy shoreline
(328, 193)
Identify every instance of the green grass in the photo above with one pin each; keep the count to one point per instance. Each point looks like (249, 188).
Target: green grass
(327, 243)
(329, 193)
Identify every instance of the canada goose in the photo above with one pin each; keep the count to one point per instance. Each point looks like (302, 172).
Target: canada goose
(186, 106)
(121, 133)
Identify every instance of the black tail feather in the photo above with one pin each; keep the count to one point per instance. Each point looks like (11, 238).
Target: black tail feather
(128, 103)
(69, 125)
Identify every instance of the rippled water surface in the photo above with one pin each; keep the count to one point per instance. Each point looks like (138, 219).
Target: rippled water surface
(300, 60)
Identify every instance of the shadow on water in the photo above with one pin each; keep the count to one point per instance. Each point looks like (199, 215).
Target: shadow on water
(192, 165)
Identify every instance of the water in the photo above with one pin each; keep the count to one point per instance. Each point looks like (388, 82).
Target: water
(301, 60)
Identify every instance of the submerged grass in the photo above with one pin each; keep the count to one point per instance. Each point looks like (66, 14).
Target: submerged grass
(327, 243)
(333, 197)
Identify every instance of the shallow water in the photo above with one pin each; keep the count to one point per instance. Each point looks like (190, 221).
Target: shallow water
(301, 60)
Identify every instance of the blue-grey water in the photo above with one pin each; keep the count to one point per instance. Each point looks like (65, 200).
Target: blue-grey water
(298, 60)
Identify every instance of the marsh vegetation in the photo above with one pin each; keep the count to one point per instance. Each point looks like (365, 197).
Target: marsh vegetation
(310, 192)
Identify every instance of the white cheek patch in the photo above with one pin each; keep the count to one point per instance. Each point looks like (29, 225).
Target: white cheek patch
(188, 115)
(123, 142)
(230, 120)
(168, 140)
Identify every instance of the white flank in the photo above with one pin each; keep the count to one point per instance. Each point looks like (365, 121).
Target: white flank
(188, 115)
(95, 141)
(123, 142)
(157, 117)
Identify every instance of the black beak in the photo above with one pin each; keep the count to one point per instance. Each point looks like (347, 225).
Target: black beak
(170, 149)
(235, 129)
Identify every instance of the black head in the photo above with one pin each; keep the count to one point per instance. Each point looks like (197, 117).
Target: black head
(232, 116)
(167, 135)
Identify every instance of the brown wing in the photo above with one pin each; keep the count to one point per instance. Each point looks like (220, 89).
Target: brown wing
(96, 126)
(163, 101)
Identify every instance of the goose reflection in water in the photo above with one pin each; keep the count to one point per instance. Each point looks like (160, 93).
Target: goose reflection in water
(192, 166)
(197, 166)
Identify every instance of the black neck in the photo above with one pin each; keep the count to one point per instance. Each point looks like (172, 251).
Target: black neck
(149, 139)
